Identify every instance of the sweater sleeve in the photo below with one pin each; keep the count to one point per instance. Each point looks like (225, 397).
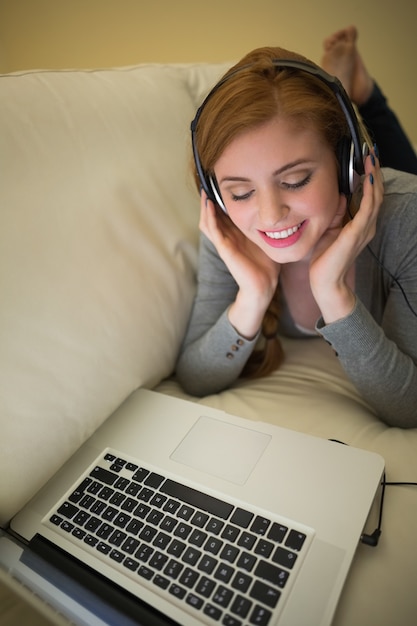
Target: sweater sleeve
(213, 354)
(383, 373)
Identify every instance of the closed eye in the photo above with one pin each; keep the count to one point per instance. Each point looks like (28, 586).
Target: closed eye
(240, 197)
(298, 184)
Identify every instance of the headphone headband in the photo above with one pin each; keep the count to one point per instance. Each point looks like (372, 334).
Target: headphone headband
(352, 159)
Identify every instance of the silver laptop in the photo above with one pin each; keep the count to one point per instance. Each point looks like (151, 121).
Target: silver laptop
(176, 513)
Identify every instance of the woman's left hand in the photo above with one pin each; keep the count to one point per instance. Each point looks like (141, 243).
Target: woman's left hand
(338, 248)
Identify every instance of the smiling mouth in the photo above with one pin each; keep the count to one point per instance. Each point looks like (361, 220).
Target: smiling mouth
(283, 234)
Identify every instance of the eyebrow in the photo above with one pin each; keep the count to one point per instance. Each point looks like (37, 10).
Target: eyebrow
(280, 170)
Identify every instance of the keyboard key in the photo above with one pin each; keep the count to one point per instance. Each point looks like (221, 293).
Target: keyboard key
(265, 593)
(81, 518)
(241, 606)
(122, 520)
(103, 547)
(68, 510)
(130, 564)
(78, 533)
(104, 531)
(130, 545)
(144, 553)
(277, 532)
(197, 538)
(241, 518)
(224, 572)
(154, 480)
(284, 557)
(154, 517)
(142, 510)
(129, 505)
(176, 547)
(189, 577)
(185, 512)
(260, 616)
(177, 591)
(241, 582)
(161, 540)
(246, 561)
(140, 474)
(103, 475)
(229, 553)
(271, 573)
(194, 601)
(191, 556)
(168, 523)
(182, 530)
(230, 533)
(214, 526)
(212, 611)
(158, 560)
(133, 489)
(147, 533)
(117, 556)
(264, 548)
(134, 526)
(195, 498)
(171, 506)
(207, 564)
(98, 507)
(295, 540)
(145, 572)
(246, 540)
(105, 494)
(158, 500)
(121, 483)
(205, 587)
(78, 493)
(199, 519)
(109, 513)
(173, 569)
(213, 545)
(117, 538)
(146, 494)
(161, 581)
(260, 525)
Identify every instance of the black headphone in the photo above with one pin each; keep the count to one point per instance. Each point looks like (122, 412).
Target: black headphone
(351, 151)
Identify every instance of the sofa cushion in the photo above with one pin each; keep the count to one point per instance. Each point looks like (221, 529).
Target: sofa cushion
(98, 235)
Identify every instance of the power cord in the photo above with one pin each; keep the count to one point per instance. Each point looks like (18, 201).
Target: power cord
(372, 539)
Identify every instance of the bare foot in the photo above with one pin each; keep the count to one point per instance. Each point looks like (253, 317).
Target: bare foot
(342, 59)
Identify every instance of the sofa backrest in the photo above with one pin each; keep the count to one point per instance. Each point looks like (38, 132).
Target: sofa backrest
(98, 241)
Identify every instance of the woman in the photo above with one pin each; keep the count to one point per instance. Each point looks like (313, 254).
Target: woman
(289, 251)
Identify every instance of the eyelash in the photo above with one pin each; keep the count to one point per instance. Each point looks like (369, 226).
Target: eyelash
(288, 186)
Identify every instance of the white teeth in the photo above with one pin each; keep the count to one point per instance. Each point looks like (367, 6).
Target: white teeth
(282, 234)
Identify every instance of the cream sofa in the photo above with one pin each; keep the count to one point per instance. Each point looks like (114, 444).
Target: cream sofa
(98, 253)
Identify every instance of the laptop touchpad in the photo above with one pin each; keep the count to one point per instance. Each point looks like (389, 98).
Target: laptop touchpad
(221, 449)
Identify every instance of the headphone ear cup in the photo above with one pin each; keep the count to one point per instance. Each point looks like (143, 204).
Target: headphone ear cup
(345, 157)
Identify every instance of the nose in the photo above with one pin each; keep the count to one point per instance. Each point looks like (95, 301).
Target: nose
(272, 207)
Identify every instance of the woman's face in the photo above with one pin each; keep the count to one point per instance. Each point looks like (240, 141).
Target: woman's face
(280, 186)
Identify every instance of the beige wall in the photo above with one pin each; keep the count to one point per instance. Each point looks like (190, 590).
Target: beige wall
(97, 33)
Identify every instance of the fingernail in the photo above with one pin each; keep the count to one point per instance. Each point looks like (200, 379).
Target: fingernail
(371, 178)
(372, 159)
(376, 151)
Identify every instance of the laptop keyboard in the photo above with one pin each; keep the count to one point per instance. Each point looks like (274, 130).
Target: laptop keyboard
(223, 563)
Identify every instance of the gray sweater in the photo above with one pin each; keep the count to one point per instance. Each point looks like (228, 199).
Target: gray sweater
(376, 344)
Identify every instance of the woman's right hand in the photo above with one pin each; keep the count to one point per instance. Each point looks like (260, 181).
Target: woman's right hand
(254, 272)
